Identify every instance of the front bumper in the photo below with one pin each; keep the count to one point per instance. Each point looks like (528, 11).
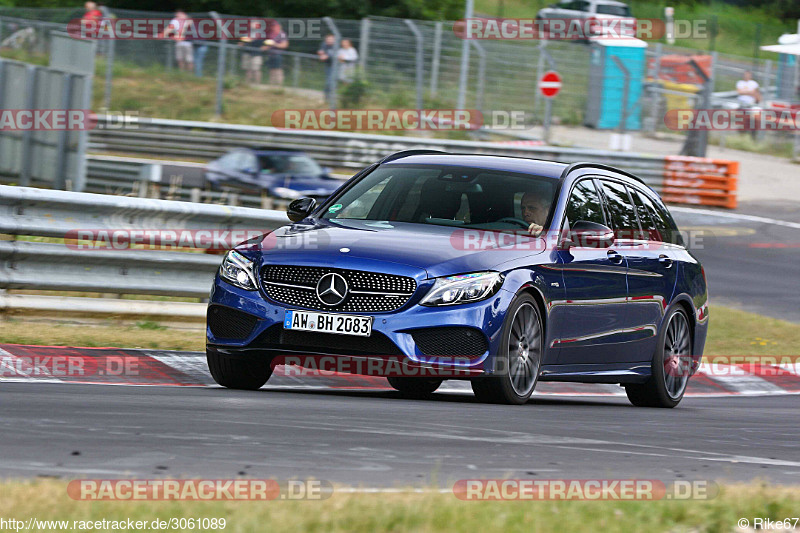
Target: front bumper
(392, 337)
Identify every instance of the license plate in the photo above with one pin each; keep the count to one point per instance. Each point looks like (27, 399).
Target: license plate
(360, 326)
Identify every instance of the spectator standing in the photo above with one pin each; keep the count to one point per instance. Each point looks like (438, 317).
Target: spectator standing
(177, 31)
(276, 43)
(92, 13)
(348, 57)
(325, 53)
(253, 53)
(200, 51)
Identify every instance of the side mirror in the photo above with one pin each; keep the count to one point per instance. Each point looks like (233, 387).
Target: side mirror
(300, 209)
(587, 234)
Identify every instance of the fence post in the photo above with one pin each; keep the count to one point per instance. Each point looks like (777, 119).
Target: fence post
(109, 63)
(296, 71)
(363, 45)
(60, 181)
(656, 104)
(418, 61)
(462, 78)
(481, 73)
(537, 95)
(334, 68)
(27, 136)
(437, 51)
(766, 77)
(221, 54)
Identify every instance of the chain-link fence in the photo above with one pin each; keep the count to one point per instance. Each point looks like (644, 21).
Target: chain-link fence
(403, 64)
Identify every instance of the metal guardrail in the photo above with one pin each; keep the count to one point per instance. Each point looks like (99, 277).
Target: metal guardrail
(702, 181)
(182, 139)
(58, 266)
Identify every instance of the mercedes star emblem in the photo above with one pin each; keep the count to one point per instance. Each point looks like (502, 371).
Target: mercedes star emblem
(332, 289)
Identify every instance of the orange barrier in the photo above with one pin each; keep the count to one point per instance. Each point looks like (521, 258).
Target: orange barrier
(700, 181)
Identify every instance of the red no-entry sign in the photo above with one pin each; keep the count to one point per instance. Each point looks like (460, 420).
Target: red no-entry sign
(550, 84)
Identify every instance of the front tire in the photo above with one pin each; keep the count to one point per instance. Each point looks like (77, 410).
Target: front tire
(670, 367)
(520, 357)
(414, 387)
(238, 372)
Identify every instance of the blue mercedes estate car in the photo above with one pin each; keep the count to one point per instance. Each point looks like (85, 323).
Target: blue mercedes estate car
(503, 271)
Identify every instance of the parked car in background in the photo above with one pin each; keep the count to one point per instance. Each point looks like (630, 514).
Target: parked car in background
(589, 10)
(286, 174)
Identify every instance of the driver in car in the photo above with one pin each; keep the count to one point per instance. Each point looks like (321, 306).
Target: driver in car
(534, 212)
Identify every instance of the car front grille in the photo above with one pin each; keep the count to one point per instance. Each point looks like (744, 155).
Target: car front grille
(457, 342)
(368, 292)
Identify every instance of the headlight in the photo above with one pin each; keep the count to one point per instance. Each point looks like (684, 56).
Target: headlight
(237, 270)
(463, 288)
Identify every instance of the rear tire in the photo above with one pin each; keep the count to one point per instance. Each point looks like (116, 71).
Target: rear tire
(669, 373)
(238, 372)
(414, 387)
(520, 357)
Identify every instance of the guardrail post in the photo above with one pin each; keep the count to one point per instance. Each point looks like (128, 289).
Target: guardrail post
(109, 63)
(418, 61)
(223, 44)
(333, 71)
(437, 52)
(463, 74)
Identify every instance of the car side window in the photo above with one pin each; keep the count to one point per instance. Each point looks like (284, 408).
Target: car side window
(248, 162)
(661, 221)
(621, 209)
(584, 204)
(228, 160)
(649, 227)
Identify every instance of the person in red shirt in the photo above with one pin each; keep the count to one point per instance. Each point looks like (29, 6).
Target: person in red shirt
(92, 13)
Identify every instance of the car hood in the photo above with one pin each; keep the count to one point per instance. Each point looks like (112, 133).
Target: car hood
(356, 244)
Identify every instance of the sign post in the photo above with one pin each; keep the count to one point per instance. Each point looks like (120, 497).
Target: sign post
(549, 86)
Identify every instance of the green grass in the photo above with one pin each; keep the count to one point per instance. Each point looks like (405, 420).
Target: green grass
(428, 512)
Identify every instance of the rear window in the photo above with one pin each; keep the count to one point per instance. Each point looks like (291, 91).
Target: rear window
(617, 11)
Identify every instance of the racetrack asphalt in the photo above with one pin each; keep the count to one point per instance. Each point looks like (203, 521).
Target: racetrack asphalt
(751, 257)
(377, 439)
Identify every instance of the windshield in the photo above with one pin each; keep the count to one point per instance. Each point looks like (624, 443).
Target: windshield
(288, 164)
(617, 11)
(447, 196)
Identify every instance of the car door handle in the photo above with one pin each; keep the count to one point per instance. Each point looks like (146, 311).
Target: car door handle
(665, 260)
(614, 256)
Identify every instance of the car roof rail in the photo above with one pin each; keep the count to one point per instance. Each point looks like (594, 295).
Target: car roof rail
(405, 153)
(586, 164)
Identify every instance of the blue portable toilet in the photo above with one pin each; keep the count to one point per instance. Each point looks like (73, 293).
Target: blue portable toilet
(604, 104)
